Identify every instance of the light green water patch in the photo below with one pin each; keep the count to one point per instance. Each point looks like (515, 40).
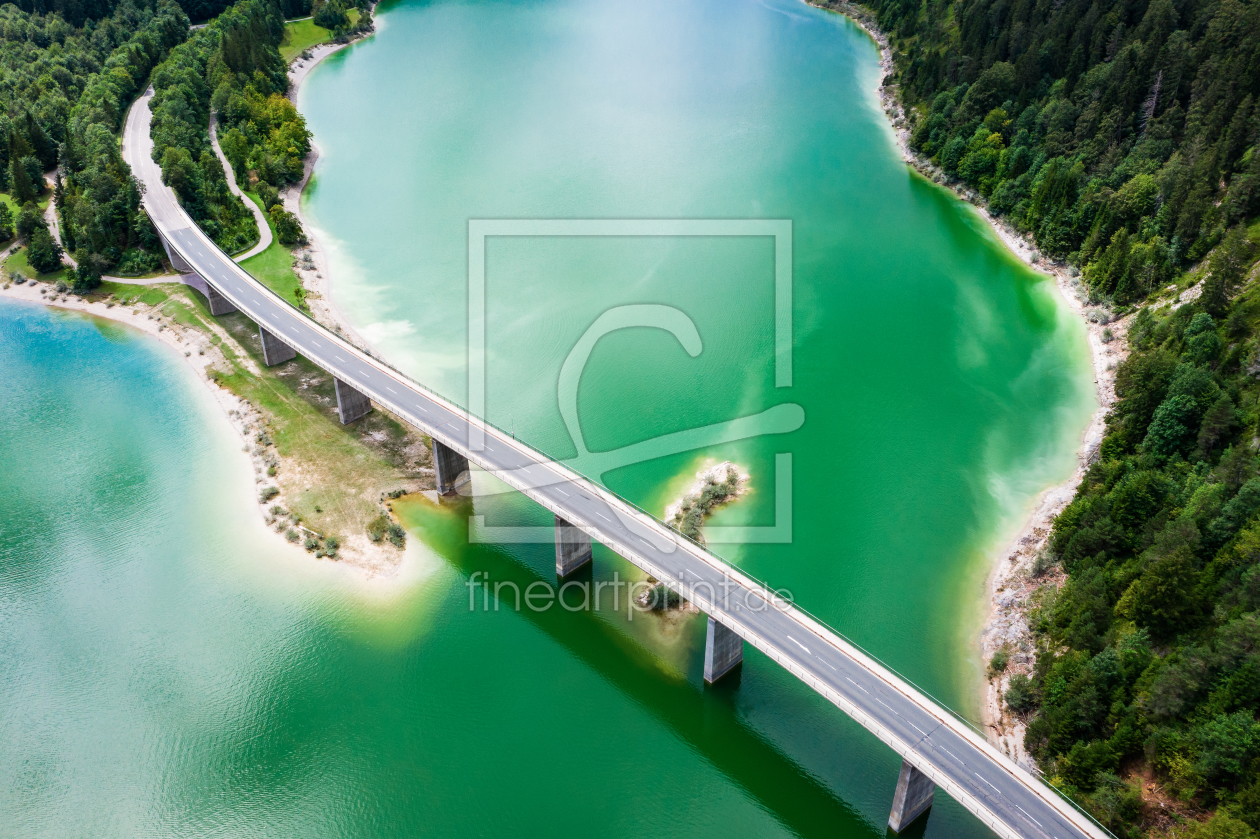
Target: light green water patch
(943, 384)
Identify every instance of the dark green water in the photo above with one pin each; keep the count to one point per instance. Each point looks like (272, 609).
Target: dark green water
(164, 671)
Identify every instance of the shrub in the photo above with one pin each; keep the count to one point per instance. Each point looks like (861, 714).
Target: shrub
(311, 543)
(397, 536)
(291, 535)
(377, 528)
(1020, 697)
(268, 493)
(998, 663)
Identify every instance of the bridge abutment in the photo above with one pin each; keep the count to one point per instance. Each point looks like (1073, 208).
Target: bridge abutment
(573, 548)
(448, 465)
(351, 404)
(912, 799)
(723, 651)
(276, 351)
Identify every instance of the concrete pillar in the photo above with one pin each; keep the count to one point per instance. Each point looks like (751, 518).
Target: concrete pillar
(275, 351)
(219, 305)
(351, 404)
(177, 261)
(449, 465)
(723, 651)
(573, 548)
(912, 798)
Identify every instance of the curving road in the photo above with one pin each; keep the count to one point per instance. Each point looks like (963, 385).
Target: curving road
(1002, 795)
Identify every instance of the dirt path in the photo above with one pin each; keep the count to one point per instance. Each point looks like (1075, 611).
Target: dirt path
(264, 229)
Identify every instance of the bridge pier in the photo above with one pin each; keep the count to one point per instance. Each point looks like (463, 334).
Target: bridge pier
(276, 351)
(449, 465)
(573, 548)
(912, 798)
(351, 404)
(723, 651)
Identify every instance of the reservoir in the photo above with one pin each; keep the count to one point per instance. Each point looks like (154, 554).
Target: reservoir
(165, 672)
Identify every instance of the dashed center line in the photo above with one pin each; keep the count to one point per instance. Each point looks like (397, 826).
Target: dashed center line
(856, 685)
(1026, 813)
(799, 644)
(995, 789)
(391, 390)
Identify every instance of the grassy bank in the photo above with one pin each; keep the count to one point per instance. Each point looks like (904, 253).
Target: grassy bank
(274, 266)
(301, 35)
(332, 477)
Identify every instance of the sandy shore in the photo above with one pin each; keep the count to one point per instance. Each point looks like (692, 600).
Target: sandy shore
(316, 278)
(1010, 582)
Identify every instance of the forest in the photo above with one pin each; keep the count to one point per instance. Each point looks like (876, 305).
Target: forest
(68, 73)
(1121, 136)
(233, 68)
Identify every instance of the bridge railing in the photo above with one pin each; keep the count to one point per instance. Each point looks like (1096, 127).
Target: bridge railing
(766, 587)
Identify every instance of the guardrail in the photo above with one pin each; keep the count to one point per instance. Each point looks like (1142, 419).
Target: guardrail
(820, 627)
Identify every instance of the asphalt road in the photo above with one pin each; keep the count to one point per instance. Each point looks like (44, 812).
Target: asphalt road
(1008, 799)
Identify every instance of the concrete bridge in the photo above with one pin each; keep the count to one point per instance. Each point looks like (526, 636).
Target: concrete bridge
(937, 749)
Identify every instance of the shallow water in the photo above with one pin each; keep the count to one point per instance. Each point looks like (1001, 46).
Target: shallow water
(169, 668)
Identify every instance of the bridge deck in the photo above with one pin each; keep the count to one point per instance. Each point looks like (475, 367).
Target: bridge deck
(1002, 795)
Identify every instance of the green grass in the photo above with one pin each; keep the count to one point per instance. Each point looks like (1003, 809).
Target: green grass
(301, 35)
(338, 471)
(274, 266)
(17, 262)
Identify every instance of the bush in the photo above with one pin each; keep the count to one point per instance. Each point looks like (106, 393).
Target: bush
(1020, 697)
(137, 263)
(311, 543)
(998, 663)
(397, 536)
(377, 528)
(291, 535)
(267, 494)
(288, 230)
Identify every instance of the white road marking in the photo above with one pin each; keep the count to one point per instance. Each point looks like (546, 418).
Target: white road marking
(562, 492)
(833, 670)
(951, 754)
(1026, 813)
(886, 705)
(856, 685)
(799, 644)
(916, 728)
(339, 358)
(604, 517)
(391, 390)
(995, 789)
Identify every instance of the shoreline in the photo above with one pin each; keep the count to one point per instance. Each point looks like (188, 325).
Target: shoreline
(197, 351)
(1010, 582)
(317, 280)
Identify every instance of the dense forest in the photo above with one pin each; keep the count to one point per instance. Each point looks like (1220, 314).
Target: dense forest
(68, 73)
(1119, 133)
(1122, 136)
(233, 68)
(63, 93)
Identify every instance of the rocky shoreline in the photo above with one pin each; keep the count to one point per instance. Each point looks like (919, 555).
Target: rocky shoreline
(1011, 582)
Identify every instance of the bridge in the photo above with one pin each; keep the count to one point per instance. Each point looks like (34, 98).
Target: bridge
(937, 749)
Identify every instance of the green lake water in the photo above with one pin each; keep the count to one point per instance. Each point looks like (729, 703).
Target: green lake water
(167, 669)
